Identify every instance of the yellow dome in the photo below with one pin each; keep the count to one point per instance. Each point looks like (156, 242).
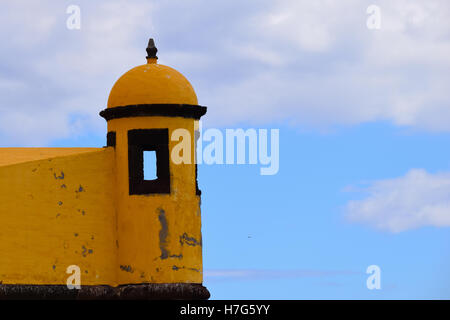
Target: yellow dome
(152, 83)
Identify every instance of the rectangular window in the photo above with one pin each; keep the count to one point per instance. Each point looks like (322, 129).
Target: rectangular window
(111, 139)
(147, 175)
(198, 192)
(150, 165)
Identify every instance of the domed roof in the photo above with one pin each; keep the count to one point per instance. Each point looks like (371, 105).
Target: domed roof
(152, 83)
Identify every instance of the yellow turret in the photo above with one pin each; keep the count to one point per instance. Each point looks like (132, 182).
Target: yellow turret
(92, 210)
(159, 224)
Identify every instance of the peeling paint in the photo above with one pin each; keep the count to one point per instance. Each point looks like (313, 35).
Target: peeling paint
(126, 268)
(176, 268)
(86, 251)
(60, 177)
(190, 241)
(163, 234)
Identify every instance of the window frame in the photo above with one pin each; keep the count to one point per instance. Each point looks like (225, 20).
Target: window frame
(140, 140)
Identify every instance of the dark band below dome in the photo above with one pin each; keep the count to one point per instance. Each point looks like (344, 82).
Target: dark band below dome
(142, 110)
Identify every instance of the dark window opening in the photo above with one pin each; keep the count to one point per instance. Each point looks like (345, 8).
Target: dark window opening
(198, 192)
(148, 161)
(111, 139)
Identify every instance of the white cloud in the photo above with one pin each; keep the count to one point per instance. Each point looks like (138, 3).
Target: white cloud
(416, 200)
(311, 63)
(52, 76)
(333, 70)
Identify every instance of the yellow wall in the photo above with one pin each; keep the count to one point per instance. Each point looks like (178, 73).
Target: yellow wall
(10, 156)
(55, 213)
(75, 209)
(142, 219)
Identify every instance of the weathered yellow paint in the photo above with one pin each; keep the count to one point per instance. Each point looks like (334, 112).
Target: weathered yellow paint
(139, 223)
(55, 213)
(71, 206)
(142, 244)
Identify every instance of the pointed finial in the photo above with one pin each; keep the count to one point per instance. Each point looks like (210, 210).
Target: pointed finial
(151, 49)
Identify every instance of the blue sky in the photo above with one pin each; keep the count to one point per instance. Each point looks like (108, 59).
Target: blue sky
(364, 120)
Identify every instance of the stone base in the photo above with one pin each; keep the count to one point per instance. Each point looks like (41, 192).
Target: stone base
(148, 291)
